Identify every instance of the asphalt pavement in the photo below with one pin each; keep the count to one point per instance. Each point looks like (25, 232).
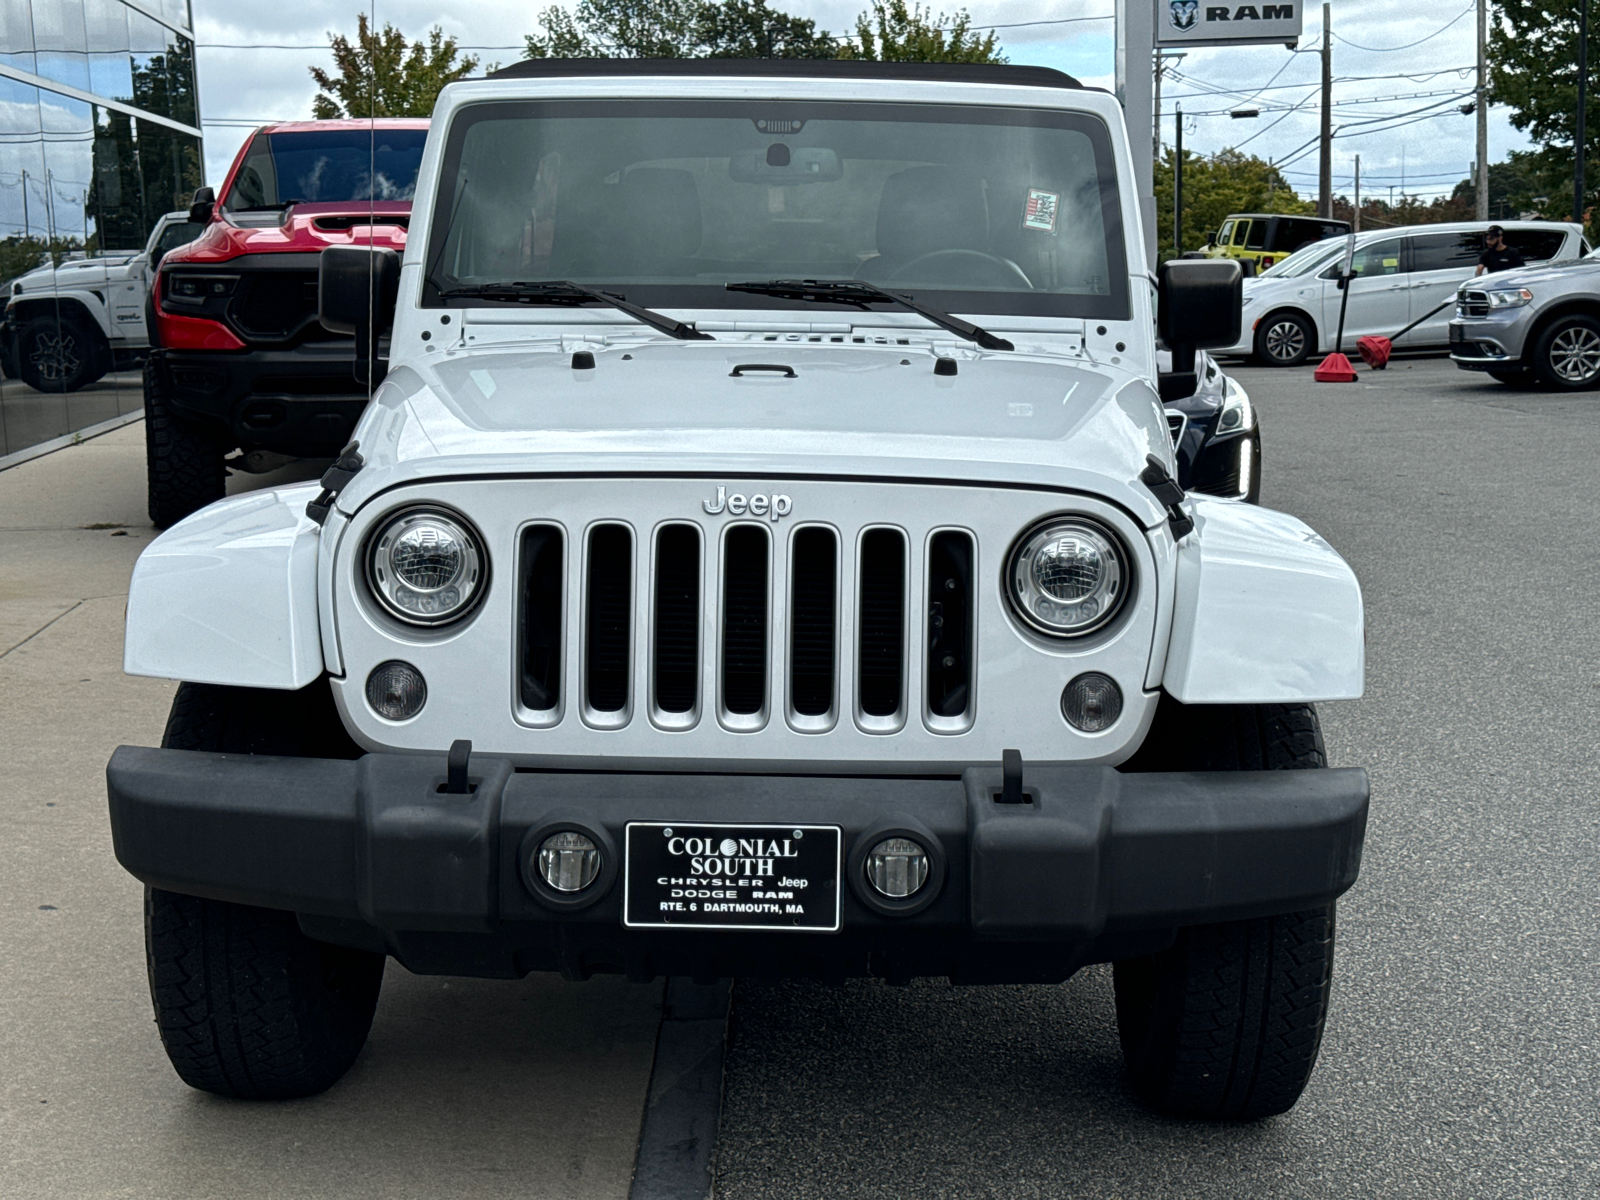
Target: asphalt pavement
(1462, 1057)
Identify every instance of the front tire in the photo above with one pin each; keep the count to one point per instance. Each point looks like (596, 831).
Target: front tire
(1226, 1023)
(247, 1005)
(1567, 353)
(183, 464)
(61, 354)
(1285, 339)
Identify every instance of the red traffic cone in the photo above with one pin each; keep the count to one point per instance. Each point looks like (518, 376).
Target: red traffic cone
(1374, 351)
(1335, 368)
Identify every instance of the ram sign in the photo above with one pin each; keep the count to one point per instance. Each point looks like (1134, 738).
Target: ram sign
(1199, 23)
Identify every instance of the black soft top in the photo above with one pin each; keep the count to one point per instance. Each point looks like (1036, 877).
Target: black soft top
(789, 68)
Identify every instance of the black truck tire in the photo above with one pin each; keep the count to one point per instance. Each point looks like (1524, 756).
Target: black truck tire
(246, 1004)
(183, 463)
(1226, 1023)
(61, 353)
(1566, 354)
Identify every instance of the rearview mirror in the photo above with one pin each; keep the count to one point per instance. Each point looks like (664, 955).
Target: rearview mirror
(357, 288)
(202, 205)
(781, 165)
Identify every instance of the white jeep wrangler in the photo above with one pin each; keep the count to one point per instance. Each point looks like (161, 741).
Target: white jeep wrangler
(701, 597)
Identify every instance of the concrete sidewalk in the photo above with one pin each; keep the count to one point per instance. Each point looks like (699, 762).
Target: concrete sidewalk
(487, 1089)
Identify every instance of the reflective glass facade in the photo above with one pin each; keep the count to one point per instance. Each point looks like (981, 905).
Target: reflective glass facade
(99, 137)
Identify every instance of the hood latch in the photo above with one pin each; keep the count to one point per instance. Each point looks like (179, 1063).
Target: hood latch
(334, 479)
(1168, 494)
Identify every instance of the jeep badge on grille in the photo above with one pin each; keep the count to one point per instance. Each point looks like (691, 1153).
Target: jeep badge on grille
(760, 505)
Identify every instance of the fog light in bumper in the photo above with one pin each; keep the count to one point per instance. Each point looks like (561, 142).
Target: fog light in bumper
(568, 862)
(396, 691)
(1092, 702)
(897, 867)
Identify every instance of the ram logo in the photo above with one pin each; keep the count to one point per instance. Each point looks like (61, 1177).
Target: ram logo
(1185, 13)
(1245, 12)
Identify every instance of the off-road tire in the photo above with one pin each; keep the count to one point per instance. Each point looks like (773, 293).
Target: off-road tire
(1276, 347)
(1226, 1023)
(1566, 354)
(183, 462)
(248, 1006)
(61, 353)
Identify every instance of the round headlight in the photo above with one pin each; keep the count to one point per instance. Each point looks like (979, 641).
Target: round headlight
(426, 567)
(1067, 578)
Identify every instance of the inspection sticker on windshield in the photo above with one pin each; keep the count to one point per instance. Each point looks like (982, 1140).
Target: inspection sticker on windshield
(1040, 212)
(689, 876)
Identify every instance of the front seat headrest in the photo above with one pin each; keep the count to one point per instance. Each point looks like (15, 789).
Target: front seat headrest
(660, 213)
(924, 209)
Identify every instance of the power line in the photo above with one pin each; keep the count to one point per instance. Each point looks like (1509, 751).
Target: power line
(1408, 45)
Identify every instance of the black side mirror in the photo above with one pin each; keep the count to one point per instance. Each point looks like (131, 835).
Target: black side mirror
(357, 288)
(1199, 306)
(202, 205)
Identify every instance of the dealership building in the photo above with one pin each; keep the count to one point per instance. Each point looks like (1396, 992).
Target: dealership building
(99, 136)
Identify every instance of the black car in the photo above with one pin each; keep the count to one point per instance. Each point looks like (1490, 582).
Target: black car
(1216, 433)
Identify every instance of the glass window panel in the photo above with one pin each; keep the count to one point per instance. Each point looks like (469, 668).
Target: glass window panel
(145, 36)
(110, 72)
(169, 169)
(21, 176)
(61, 42)
(1445, 251)
(116, 195)
(16, 34)
(180, 81)
(177, 12)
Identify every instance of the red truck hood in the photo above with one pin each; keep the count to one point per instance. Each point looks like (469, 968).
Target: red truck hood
(306, 228)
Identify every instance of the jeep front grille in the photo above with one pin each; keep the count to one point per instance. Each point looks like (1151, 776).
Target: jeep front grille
(747, 623)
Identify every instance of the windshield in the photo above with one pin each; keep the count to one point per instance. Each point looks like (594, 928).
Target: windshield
(976, 209)
(1305, 260)
(328, 166)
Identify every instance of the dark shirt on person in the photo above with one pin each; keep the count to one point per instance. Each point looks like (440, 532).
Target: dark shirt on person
(1503, 259)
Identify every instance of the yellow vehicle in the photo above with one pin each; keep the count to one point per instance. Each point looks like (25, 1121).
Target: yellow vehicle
(1264, 238)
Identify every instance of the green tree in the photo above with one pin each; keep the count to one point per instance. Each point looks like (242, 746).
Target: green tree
(381, 75)
(1533, 53)
(892, 31)
(1228, 182)
(676, 29)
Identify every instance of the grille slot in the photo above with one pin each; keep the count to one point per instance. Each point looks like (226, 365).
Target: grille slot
(275, 304)
(1474, 304)
(950, 611)
(881, 618)
(539, 654)
(813, 621)
(744, 620)
(609, 613)
(677, 619)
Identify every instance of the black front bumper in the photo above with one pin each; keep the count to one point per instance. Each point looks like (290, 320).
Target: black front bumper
(1096, 865)
(302, 401)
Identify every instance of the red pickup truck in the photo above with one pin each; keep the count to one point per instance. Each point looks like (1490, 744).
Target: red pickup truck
(241, 361)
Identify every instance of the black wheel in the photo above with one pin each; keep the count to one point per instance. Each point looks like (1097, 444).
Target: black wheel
(1567, 353)
(1285, 339)
(246, 1004)
(1226, 1023)
(183, 463)
(61, 353)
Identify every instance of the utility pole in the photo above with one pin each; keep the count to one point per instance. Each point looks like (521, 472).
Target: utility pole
(1483, 110)
(1355, 224)
(1163, 57)
(1580, 135)
(1325, 166)
(1177, 189)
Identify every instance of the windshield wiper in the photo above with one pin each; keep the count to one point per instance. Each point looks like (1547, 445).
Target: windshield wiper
(559, 291)
(860, 295)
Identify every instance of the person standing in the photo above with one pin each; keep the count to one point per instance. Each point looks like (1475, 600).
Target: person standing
(1496, 256)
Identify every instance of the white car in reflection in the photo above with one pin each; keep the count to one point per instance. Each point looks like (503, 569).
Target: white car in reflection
(1291, 310)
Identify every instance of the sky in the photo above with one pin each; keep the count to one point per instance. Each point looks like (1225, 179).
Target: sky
(1405, 126)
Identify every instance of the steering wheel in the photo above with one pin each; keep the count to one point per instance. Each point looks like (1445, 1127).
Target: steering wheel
(975, 267)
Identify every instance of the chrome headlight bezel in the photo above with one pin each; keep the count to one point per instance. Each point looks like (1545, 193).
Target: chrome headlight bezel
(1048, 614)
(468, 584)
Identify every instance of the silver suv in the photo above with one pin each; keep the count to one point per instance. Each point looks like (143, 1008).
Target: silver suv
(1537, 322)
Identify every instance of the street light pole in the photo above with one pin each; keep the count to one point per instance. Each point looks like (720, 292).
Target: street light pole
(1177, 188)
(1580, 135)
(1483, 110)
(1325, 166)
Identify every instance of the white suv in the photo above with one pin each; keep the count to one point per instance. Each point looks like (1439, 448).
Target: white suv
(1291, 310)
(702, 595)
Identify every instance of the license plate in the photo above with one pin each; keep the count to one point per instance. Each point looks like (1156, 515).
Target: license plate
(770, 877)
